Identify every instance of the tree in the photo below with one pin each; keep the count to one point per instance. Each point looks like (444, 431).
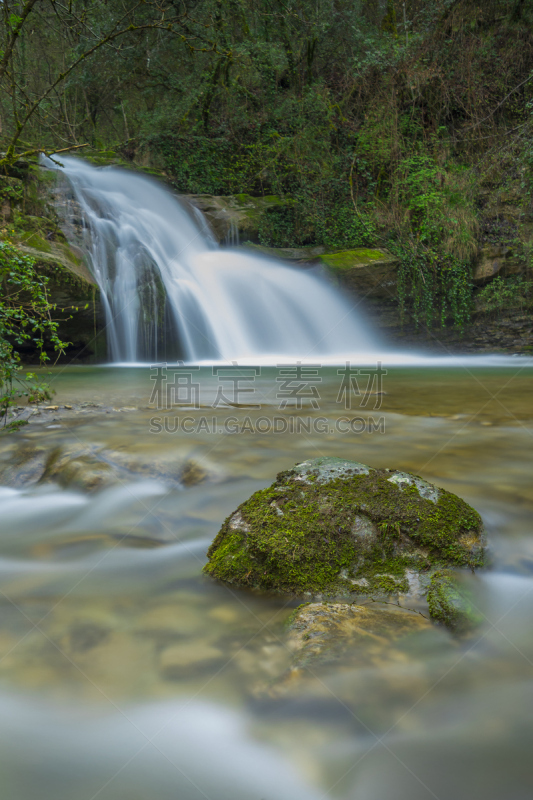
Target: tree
(45, 42)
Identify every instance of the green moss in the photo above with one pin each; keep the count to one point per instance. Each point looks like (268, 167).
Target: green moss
(355, 258)
(286, 253)
(66, 279)
(37, 242)
(103, 158)
(294, 615)
(388, 584)
(158, 173)
(275, 200)
(231, 558)
(42, 175)
(451, 602)
(352, 533)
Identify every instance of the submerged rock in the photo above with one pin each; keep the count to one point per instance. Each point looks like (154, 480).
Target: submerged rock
(358, 654)
(92, 468)
(81, 468)
(334, 528)
(320, 633)
(193, 473)
(22, 464)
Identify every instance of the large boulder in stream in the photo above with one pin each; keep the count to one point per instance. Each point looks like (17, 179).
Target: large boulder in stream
(451, 602)
(330, 528)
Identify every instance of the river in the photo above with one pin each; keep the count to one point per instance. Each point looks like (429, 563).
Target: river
(126, 673)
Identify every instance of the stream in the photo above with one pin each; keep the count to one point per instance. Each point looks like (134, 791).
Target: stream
(125, 674)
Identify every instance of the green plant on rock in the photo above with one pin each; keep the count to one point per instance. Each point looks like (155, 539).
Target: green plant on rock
(505, 293)
(437, 242)
(25, 318)
(433, 288)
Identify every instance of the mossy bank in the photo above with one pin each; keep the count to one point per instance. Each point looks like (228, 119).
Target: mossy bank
(336, 528)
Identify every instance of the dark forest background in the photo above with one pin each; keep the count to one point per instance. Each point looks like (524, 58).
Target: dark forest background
(387, 123)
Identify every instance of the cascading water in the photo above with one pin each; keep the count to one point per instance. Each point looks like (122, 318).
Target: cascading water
(170, 292)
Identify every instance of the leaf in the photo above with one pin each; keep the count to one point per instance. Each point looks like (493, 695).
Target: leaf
(14, 21)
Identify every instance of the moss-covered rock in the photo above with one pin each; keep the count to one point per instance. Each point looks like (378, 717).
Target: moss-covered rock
(450, 602)
(304, 255)
(364, 270)
(30, 224)
(334, 528)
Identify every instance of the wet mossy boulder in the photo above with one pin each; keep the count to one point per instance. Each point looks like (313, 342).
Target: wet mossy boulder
(334, 528)
(372, 272)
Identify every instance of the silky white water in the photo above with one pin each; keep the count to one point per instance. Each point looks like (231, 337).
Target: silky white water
(170, 292)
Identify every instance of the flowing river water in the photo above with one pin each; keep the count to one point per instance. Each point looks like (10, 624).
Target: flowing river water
(126, 675)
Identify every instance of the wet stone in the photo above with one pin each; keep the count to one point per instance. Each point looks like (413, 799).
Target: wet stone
(192, 473)
(26, 466)
(451, 602)
(320, 633)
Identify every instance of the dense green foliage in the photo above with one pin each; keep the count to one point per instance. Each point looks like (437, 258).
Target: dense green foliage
(25, 317)
(389, 123)
(500, 294)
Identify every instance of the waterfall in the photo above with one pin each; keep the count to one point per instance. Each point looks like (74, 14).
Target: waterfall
(169, 292)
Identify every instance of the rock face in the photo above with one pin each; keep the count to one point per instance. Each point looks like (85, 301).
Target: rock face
(335, 528)
(293, 255)
(364, 271)
(237, 216)
(35, 231)
(496, 260)
(358, 654)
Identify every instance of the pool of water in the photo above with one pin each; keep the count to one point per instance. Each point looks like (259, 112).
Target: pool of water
(125, 673)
